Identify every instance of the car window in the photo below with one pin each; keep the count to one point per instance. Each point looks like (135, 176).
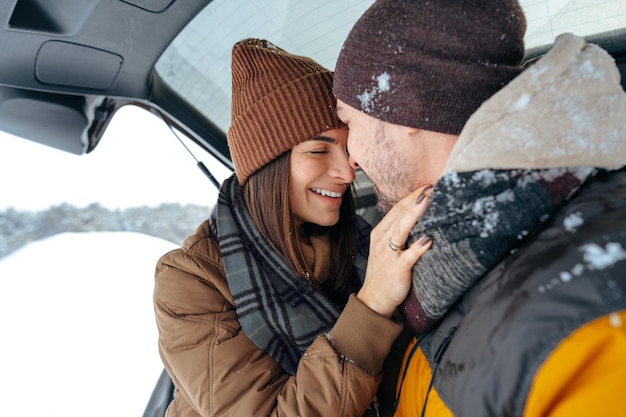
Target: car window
(547, 19)
(197, 63)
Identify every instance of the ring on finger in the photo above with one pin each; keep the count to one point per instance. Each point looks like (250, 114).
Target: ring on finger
(393, 246)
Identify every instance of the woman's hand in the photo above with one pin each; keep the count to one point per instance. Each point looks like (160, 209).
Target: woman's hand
(388, 274)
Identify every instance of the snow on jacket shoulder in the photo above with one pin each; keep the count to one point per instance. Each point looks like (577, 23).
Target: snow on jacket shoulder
(217, 370)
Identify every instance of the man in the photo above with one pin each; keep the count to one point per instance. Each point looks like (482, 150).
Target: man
(519, 307)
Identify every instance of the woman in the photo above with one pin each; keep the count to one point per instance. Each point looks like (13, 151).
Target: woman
(256, 311)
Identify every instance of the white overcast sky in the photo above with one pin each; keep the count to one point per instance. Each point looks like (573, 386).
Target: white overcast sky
(137, 162)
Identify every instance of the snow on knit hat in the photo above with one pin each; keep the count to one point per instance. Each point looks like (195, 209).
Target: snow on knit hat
(430, 64)
(278, 101)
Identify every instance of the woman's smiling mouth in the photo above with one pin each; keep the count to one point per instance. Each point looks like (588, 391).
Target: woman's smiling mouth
(326, 193)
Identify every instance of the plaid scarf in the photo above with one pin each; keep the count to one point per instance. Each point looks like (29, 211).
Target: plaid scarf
(282, 313)
(476, 219)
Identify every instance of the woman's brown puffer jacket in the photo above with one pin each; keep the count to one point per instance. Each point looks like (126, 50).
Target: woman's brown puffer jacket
(218, 371)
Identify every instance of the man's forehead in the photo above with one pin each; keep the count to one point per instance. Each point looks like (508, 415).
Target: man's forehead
(343, 109)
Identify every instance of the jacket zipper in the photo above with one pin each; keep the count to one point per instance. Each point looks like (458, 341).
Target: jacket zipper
(438, 355)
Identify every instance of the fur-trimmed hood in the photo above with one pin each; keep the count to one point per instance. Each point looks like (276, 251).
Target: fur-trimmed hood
(567, 109)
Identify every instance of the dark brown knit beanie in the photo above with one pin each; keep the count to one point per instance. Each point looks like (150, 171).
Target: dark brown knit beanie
(279, 100)
(430, 64)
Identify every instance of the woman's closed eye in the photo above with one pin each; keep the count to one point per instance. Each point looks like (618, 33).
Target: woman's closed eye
(319, 151)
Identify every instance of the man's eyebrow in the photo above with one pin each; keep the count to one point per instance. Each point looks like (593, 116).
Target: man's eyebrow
(323, 138)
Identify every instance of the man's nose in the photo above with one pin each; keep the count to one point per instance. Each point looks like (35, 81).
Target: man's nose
(353, 163)
(343, 169)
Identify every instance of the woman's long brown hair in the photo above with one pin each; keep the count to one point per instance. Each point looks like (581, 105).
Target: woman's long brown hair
(266, 194)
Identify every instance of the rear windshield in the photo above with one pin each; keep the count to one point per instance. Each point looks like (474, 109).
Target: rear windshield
(197, 63)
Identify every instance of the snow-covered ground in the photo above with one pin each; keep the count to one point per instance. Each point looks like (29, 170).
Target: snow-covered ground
(77, 324)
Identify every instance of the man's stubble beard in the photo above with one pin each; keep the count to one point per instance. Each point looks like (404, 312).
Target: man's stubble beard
(383, 203)
(391, 173)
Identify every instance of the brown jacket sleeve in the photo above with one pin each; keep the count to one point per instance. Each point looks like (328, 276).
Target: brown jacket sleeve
(218, 371)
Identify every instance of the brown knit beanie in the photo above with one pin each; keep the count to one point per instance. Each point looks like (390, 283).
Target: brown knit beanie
(279, 100)
(430, 64)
